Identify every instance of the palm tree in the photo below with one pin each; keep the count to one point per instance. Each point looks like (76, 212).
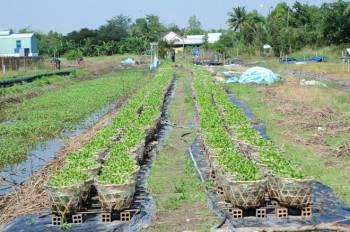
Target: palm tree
(237, 17)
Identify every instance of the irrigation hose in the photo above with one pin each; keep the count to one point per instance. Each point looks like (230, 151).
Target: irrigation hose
(219, 225)
(176, 126)
(195, 165)
(202, 179)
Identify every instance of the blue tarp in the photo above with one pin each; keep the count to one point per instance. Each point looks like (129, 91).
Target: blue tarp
(310, 59)
(257, 75)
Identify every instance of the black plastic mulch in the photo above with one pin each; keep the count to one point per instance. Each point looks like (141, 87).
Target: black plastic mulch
(328, 207)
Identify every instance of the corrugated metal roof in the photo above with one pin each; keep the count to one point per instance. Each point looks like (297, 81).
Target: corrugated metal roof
(198, 39)
(214, 37)
(5, 33)
(190, 39)
(17, 36)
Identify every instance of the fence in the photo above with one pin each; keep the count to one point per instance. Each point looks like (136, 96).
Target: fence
(16, 63)
(209, 57)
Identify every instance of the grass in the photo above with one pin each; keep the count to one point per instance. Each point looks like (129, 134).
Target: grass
(19, 73)
(337, 139)
(332, 53)
(311, 163)
(333, 70)
(31, 86)
(179, 196)
(46, 116)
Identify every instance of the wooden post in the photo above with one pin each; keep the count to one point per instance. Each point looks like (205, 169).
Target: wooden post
(3, 65)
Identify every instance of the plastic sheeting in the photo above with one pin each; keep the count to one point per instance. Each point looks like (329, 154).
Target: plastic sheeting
(231, 73)
(128, 61)
(257, 75)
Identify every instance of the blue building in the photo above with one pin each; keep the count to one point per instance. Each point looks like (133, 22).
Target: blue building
(18, 45)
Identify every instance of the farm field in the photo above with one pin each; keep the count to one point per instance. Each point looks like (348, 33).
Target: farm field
(43, 117)
(174, 116)
(92, 68)
(152, 132)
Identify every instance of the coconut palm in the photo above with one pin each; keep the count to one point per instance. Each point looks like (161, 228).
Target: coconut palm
(237, 17)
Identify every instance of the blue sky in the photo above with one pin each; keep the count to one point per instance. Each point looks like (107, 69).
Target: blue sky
(67, 15)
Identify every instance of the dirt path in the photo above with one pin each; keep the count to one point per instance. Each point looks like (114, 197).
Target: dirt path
(181, 202)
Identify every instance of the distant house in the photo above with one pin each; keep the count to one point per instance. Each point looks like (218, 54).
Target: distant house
(18, 45)
(173, 38)
(190, 40)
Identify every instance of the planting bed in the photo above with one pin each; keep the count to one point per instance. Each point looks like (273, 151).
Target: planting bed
(106, 180)
(251, 175)
(110, 162)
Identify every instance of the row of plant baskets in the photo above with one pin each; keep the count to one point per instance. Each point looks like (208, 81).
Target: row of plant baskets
(289, 192)
(112, 197)
(71, 199)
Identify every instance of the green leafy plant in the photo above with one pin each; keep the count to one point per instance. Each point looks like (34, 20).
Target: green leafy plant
(234, 118)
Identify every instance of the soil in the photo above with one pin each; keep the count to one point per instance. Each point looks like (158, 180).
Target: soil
(180, 200)
(316, 123)
(31, 197)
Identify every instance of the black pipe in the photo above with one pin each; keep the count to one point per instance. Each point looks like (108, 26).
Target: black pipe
(26, 79)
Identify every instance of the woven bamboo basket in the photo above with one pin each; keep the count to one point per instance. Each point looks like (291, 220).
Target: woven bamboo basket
(64, 200)
(290, 192)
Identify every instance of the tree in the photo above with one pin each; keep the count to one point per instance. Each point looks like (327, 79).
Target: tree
(116, 29)
(175, 28)
(79, 36)
(278, 28)
(52, 44)
(237, 17)
(335, 24)
(194, 26)
(148, 28)
(25, 30)
(132, 44)
(205, 43)
(347, 13)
